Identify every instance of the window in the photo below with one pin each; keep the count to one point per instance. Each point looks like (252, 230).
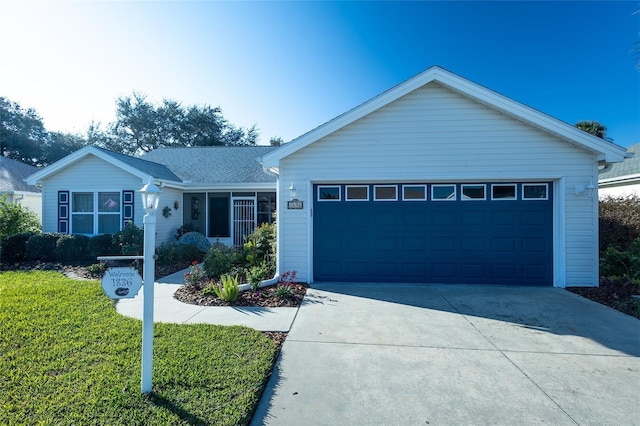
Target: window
(414, 192)
(82, 213)
(473, 192)
(534, 191)
(503, 192)
(266, 207)
(328, 193)
(385, 192)
(443, 192)
(219, 212)
(357, 193)
(95, 212)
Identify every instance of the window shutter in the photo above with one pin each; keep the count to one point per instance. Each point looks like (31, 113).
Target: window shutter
(127, 207)
(63, 212)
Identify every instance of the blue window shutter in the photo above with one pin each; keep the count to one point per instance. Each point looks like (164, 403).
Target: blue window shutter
(63, 212)
(127, 207)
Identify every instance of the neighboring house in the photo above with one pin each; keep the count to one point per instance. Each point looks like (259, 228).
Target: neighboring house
(440, 180)
(222, 192)
(622, 179)
(12, 175)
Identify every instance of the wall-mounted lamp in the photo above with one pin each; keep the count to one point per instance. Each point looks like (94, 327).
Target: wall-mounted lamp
(588, 190)
(293, 192)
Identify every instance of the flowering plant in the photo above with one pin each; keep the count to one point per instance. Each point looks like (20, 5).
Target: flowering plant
(196, 276)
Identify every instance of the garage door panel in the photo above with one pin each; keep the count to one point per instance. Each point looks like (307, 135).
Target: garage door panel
(460, 241)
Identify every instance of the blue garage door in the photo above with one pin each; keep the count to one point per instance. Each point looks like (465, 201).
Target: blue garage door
(484, 233)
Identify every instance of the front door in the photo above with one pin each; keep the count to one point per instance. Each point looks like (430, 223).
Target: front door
(244, 219)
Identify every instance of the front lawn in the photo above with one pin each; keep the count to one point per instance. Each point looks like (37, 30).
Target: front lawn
(67, 357)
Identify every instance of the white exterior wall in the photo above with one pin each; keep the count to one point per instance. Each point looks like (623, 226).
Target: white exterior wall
(435, 135)
(93, 174)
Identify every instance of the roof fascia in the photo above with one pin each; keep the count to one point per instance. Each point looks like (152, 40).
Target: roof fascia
(606, 151)
(231, 187)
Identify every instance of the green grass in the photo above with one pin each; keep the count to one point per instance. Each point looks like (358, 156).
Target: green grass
(67, 357)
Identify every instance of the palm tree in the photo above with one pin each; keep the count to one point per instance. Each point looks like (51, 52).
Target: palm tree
(595, 128)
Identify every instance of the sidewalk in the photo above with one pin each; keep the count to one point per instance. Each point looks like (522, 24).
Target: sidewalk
(167, 309)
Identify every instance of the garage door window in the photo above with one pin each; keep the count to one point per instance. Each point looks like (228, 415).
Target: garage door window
(329, 193)
(385, 193)
(503, 192)
(473, 192)
(443, 192)
(534, 191)
(414, 192)
(357, 193)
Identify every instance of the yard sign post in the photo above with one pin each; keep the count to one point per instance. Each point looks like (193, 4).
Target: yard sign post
(150, 198)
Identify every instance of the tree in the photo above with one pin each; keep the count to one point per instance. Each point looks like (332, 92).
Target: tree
(595, 128)
(22, 133)
(142, 126)
(276, 141)
(16, 219)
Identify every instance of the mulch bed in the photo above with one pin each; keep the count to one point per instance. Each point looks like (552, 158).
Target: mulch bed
(612, 293)
(264, 297)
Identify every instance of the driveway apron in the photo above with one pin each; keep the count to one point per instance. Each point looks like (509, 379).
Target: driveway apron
(365, 354)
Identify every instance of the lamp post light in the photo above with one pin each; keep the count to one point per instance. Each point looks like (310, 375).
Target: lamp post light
(150, 200)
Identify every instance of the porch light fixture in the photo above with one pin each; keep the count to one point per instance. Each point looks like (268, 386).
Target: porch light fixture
(150, 197)
(588, 190)
(293, 192)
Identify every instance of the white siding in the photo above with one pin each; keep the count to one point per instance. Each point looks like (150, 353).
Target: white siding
(93, 174)
(620, 191)
(433, 134)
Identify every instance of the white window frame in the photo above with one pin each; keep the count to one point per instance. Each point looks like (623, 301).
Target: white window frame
(515, 192)
(329, 199)
(96, 213)
(346, 192)
(414, 186)
(462, 196)
(375, 198)
(546, 197)
(442, 185)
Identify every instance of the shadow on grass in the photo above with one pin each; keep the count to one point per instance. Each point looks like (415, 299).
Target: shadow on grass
(176, 409)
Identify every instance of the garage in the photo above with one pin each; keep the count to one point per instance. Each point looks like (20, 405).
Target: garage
(441, 180)
(406, 232)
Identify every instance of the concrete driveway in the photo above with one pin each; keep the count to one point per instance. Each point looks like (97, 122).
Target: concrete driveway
(370, 354)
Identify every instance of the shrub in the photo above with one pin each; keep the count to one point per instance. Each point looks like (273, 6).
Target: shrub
(72, 248)
(42, 247)
(261, 245)
(196, 239)
(97, 270)
(228, 288)
(256, 274)
(16, 219)
(196, 277)
(619, 222)
(129, 241)
(283, 291)
(619, 264)
(102, 245)
(13, 249)
(170, 253)
(219, 260)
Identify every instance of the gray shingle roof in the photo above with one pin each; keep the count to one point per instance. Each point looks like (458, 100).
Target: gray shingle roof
(159, 171)
(12, 173)
(630, 166)
(214, 164)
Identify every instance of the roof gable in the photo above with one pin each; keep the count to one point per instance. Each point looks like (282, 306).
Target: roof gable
(136, 166)
(12, 175)
(605, 150)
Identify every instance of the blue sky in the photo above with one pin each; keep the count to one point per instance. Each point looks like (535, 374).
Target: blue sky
(288, 67)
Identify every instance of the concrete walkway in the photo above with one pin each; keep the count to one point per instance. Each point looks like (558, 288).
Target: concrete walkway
(373, 354)
(168, 309)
